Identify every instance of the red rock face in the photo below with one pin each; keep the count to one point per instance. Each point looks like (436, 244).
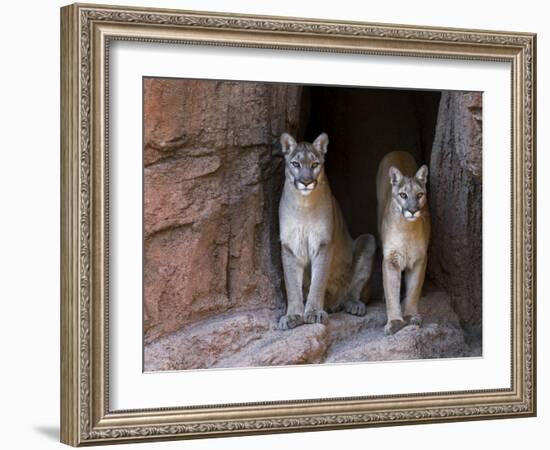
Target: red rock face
(455, 194)
(209, 239)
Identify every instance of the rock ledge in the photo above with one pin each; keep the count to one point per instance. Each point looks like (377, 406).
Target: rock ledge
(250, 339)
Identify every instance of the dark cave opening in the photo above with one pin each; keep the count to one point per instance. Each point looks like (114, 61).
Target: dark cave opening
(363, 126)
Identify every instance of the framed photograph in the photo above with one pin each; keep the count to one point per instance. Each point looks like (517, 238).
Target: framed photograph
(276, 224)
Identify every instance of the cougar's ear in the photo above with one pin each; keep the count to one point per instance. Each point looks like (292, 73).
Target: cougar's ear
(395, 175)
(287, 143)
(422, 174)
(321, 143)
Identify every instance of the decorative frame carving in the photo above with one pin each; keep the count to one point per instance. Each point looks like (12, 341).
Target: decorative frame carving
(86, 31)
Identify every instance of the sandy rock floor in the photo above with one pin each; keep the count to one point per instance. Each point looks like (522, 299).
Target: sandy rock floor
(251, 339)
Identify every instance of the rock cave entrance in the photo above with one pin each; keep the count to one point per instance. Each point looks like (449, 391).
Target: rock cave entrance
(440, 129)
(363, 126)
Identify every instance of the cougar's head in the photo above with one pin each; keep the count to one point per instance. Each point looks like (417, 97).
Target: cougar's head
(304, 161)
(409, 193)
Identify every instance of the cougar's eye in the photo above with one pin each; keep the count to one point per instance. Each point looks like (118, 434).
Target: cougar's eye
(403, 195)
(314, 165)
(296, 164)
(420, 195)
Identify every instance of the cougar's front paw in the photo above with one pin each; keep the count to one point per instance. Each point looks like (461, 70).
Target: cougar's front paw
(393, 326)
(355, 307)
(316, 316)
(290, 321)
(414, 319)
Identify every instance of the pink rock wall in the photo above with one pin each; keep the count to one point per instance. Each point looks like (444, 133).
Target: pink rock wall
(210, 238)
(455, 194)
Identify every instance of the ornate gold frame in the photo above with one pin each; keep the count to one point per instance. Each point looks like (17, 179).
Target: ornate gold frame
(86, 31)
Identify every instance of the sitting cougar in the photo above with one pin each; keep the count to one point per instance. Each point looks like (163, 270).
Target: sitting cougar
(317, 250)
(404, 227)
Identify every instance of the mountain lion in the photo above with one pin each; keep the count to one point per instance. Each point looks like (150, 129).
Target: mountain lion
(404, 227)
(320, 260)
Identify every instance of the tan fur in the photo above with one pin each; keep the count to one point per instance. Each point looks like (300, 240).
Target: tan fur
(404, 242)
(319, 255)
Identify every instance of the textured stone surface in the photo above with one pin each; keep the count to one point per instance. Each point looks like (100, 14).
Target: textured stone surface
(250, 339)
(455, 194)
(210, 230)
